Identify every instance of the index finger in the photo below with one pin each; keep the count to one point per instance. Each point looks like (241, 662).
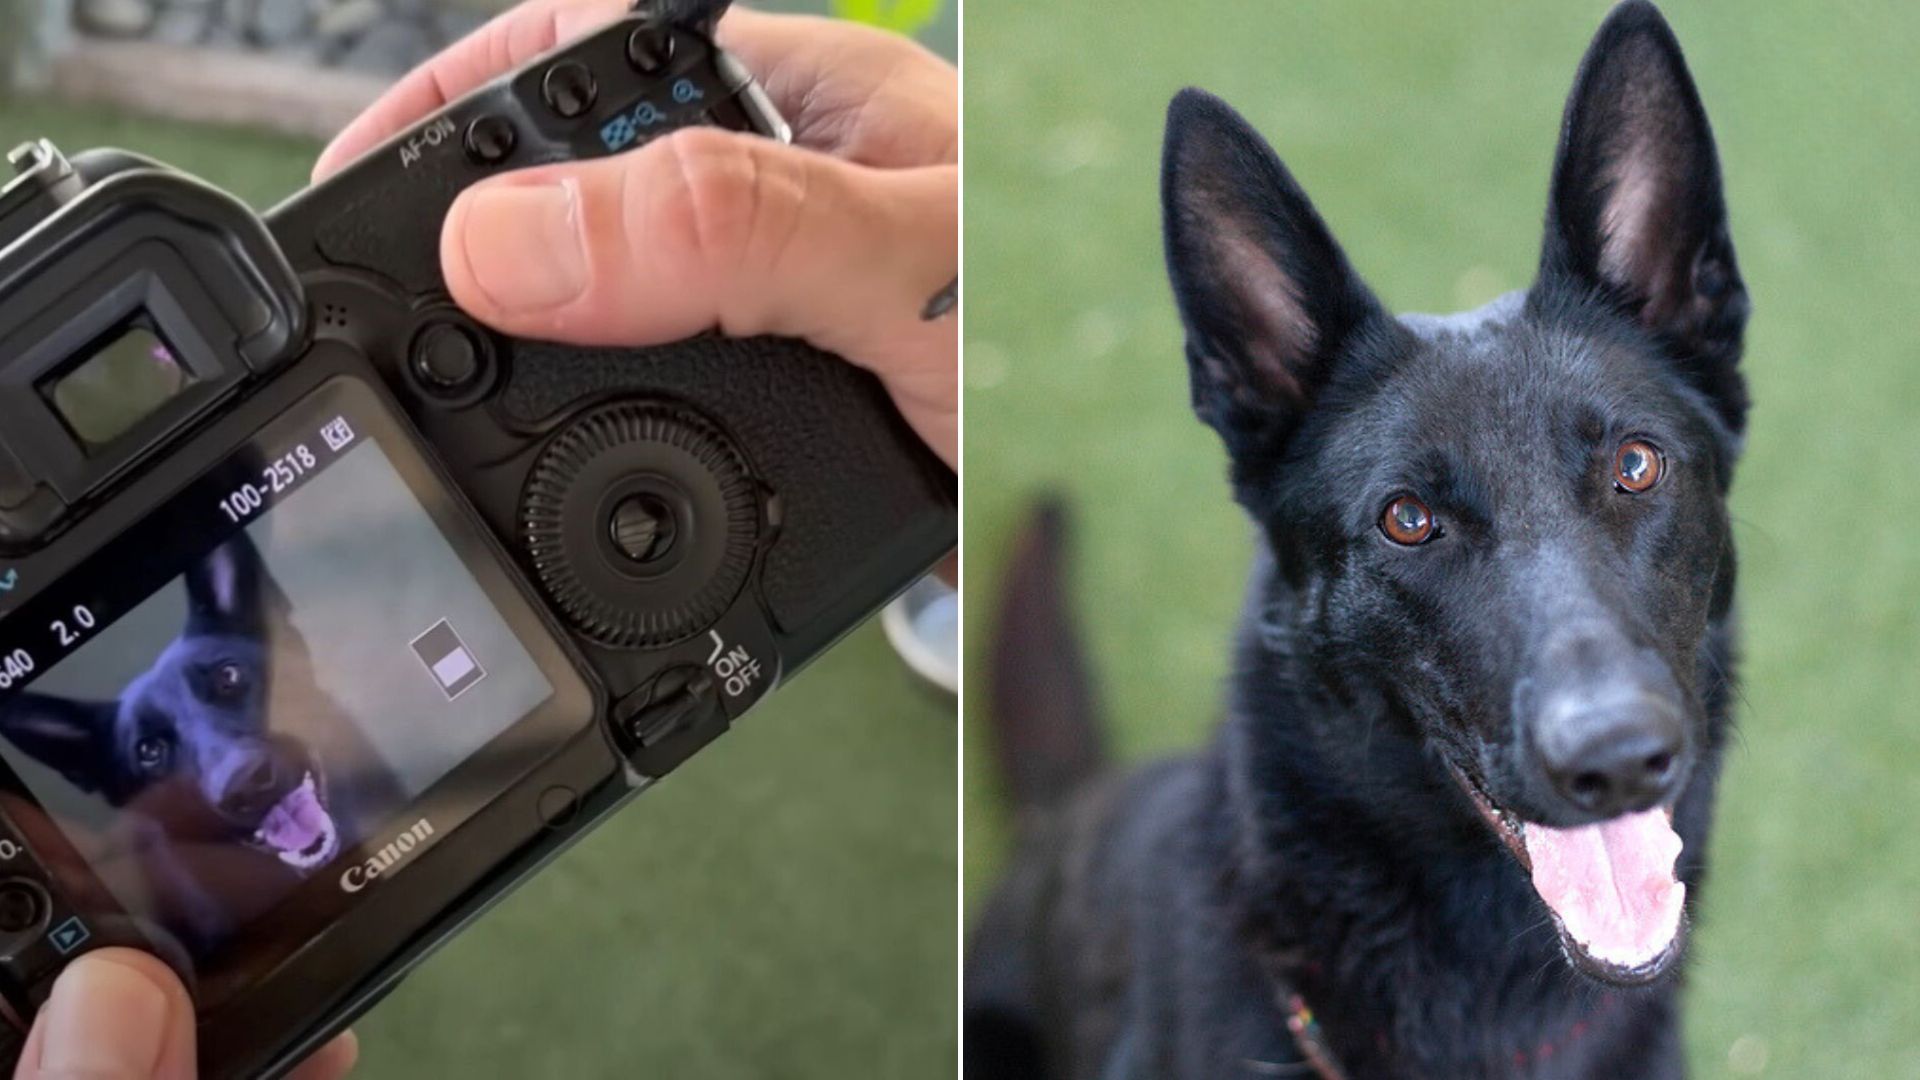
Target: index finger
(500, 46)
(864, 94)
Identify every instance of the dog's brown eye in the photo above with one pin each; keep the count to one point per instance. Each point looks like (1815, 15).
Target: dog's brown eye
(229, 680)
(1637, 466)
(152, 752)
(1407, 521)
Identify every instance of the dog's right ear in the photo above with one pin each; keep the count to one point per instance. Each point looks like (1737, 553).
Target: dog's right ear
(1636, 212)
(224, 590)
(72, 737)
(1267, 296)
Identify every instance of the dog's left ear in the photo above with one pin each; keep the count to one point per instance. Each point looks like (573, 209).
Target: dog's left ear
(224, 590)
(1636, 209)
(71, 737)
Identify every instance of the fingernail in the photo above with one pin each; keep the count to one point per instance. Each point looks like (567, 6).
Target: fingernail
(104, 1020)
(524, 246)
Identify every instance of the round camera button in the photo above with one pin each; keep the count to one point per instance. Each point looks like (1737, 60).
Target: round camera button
(447, 358)
(490, 140)
(557, 806)
(650, 49)
(23, 905)
(569, 89)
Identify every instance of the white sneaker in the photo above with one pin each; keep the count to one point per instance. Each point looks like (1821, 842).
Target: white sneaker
(924, 627)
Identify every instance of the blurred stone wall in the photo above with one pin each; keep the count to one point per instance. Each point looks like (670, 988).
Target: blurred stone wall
(299, 66)
(376, 37)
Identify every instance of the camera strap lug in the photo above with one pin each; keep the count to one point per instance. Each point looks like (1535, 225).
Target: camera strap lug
(700, 15)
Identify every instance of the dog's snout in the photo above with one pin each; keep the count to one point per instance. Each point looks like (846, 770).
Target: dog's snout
(1611, 759)
(1606, 725)
(252, 783)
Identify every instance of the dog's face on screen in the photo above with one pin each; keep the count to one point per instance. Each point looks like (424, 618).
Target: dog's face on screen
(1506, 530)
(190, 740)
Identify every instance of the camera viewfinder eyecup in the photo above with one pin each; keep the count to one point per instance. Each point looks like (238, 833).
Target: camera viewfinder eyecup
(135, 241)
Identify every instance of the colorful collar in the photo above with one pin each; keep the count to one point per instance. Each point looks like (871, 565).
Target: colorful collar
(1311, 1039)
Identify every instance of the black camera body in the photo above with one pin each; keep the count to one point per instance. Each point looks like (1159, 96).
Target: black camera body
(328, 615)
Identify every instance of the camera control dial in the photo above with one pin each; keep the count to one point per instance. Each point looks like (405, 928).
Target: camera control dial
(641, 520)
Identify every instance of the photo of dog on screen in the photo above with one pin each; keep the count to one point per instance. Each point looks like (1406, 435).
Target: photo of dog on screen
(229, 775)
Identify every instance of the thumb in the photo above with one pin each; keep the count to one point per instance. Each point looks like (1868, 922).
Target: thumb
(706, 228)
(114, 1014)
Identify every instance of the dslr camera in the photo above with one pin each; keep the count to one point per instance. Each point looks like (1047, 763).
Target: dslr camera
(328, 615)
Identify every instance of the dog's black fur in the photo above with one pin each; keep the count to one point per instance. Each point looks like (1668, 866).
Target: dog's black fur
(1151, 923)
(198, 749)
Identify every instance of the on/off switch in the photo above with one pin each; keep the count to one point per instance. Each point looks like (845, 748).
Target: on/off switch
(680, 699)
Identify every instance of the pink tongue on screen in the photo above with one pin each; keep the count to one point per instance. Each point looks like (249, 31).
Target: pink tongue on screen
(1612, 884)
(297, 823)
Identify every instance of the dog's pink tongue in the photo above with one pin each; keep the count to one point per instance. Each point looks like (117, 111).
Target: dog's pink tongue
(1612, 884)
(297, 823)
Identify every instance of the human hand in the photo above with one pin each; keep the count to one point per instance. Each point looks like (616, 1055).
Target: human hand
(119, 1014)
(841, 239)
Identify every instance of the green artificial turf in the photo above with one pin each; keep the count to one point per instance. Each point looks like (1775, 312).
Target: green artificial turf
(783, 906)
(1424, 132)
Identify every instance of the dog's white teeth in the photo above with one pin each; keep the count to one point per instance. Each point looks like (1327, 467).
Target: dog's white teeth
(321, 852)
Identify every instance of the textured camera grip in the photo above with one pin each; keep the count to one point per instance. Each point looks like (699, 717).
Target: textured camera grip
(365, 232)
(851, 476)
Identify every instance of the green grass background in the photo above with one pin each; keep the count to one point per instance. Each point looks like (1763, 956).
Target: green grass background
(1424, 132)
(783, 906)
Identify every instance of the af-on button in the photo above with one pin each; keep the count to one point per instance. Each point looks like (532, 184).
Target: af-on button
(490, 140)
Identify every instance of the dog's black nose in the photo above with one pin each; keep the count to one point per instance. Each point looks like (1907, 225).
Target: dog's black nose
(1614, 759)
(1604, 720)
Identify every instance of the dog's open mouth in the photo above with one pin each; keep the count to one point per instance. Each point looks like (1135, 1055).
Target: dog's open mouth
(299, 829)
(1610, 886)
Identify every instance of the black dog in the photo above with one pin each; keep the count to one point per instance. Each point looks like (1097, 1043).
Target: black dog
(216, 756)
(1463, 790)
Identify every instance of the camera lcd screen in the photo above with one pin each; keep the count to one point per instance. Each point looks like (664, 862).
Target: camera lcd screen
(258, 690)
(118, 384)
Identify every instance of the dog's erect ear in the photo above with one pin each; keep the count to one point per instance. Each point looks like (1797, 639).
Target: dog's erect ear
(1266, 294)
(226, 590)
(1636, 208)
(73, 737)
